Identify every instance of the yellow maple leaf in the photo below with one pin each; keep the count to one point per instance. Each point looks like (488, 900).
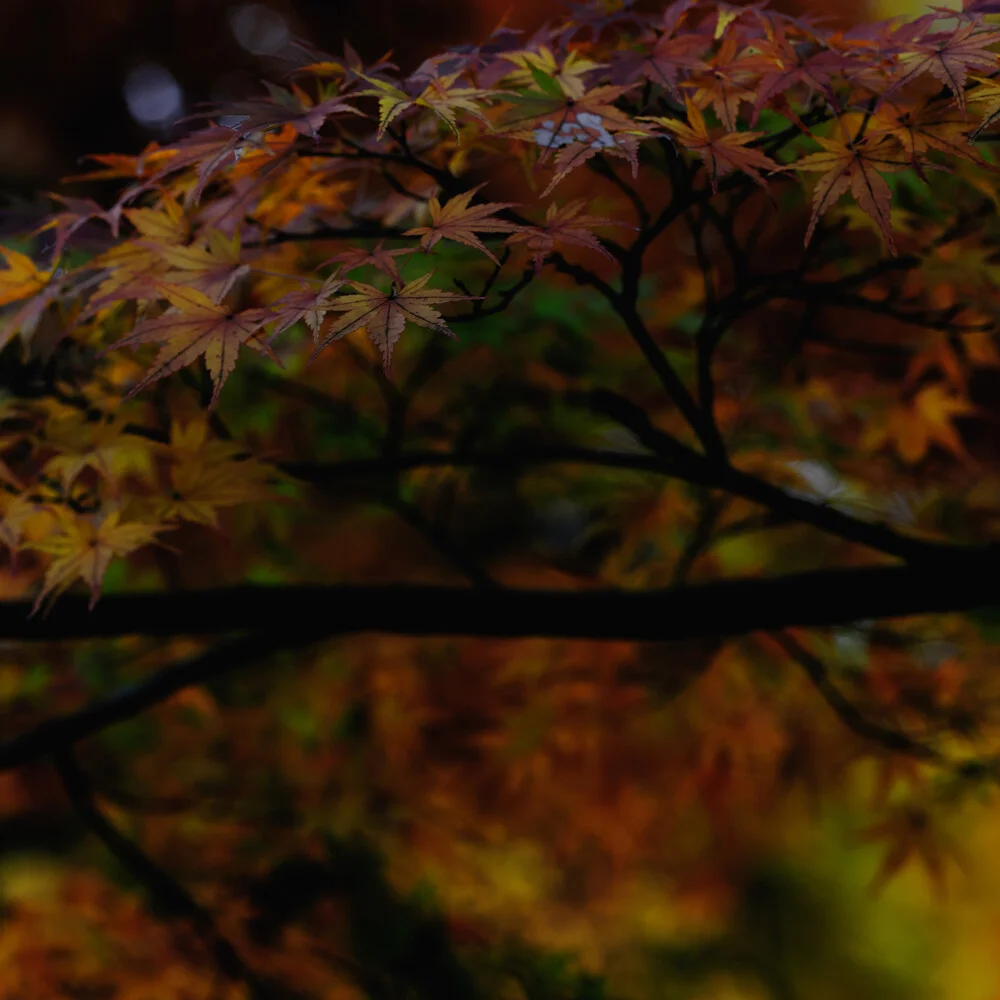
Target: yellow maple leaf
(199, 488)
(212, 265)
(21, 278)
(439, 96)
(927, 420)
(533, 66)
(82, 547)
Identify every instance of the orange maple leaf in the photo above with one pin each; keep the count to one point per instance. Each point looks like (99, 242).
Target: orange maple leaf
(726, 86)
(927, 420)
(852, 165)
(195, 326)
(563, 225)
(385, 314)
(925, 129)
(721, 153)
(950, 57)
(457, 220)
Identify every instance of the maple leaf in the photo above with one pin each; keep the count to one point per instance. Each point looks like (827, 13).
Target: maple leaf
(103, 446)
(133, 269)
(581, 136)
(849, 165)
(82, 546)
(725, 86)
(948, 56)
(200, 484)
(440, 96)
(382, 260)
(457, 221)
(307, 304)
(663, 63)
(987, 92)
(722, 153)
(210, 265)
(927, 420)
(919, 131)
(563, 225)
(197, 326)
(301, 189)
(77, 213)
(36, 290)
(25, 518)
(385, 314)
(163, 225)
(559, 116)
(350, 66)
(292, 107)
(190, 442)
(783, 63)
(115, 166)
(25, 319)
(542, 69)
(912, 834)
(21, 278)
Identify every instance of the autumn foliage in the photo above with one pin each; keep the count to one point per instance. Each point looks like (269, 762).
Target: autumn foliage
(520, 528)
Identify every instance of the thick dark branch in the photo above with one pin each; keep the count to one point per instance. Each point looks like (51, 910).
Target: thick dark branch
(284, 615)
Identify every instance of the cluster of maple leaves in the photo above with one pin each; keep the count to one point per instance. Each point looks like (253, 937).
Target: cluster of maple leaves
(200, 270)
(348, 200)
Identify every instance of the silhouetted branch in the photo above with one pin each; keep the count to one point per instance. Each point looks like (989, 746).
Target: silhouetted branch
(847, 711)
(65, 731)
(294, 614)
(166, 893)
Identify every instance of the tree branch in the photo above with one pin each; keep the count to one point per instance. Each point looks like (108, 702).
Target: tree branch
(163, 890)
(287, 615)
(66, 730)
(846, 710)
